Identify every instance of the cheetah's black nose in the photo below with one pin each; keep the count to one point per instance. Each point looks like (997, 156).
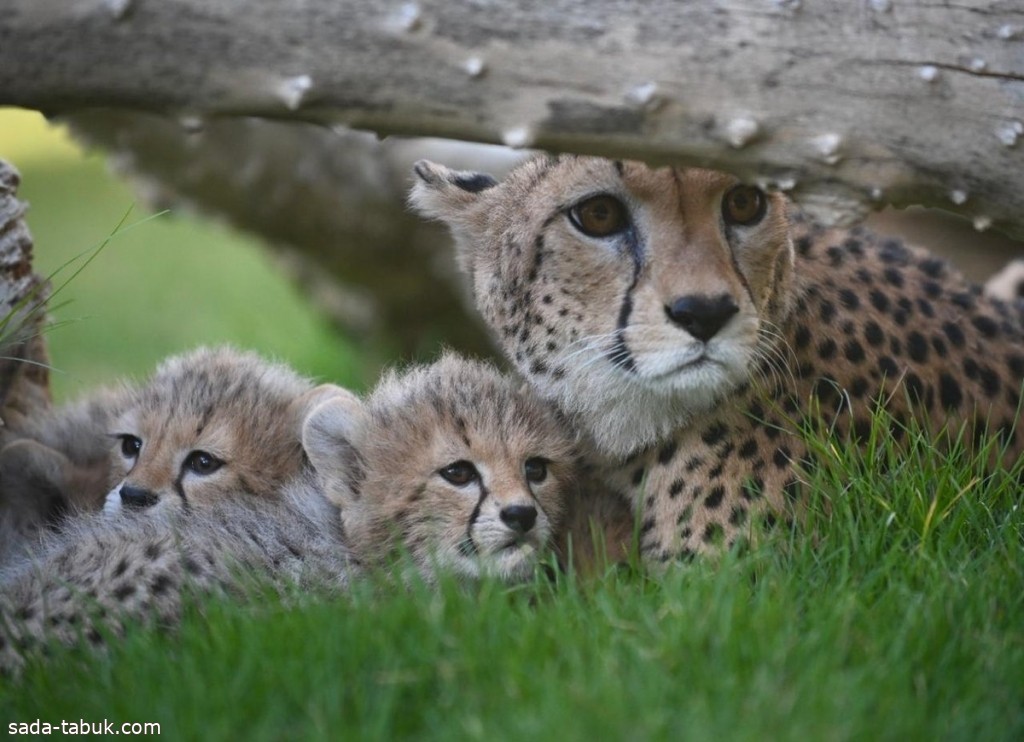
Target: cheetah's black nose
(137, 497)
(520, 518)
(702, 316)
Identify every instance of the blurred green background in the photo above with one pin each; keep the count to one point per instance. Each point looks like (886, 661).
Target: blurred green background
(169, 284)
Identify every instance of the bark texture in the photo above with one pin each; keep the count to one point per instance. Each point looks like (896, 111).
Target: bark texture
(847, 104)
(24, 375)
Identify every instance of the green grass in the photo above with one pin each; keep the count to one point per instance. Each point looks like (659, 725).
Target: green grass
(896, 619)
(165, 286)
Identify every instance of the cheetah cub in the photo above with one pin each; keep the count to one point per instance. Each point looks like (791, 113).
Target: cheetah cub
(101, 574)
(450, 463)
(209, 423)
(686, 324)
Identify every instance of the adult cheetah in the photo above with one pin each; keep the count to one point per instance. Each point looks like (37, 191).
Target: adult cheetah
(687, 324)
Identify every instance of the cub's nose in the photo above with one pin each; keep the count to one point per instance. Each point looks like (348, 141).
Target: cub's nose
(702, 316)
(520, 518)
(137, 497)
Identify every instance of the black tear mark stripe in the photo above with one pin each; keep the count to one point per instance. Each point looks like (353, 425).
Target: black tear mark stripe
(739, 273)
(468, 546)
(619, 354)
(180, 489)
(730, 233)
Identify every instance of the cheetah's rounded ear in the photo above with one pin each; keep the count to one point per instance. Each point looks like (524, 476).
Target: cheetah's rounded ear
(442, 193)
(329, 436)
(318, 395)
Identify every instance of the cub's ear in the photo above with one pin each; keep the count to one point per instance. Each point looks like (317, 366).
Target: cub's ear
(442, 193)
(312, 399)
(329, 436)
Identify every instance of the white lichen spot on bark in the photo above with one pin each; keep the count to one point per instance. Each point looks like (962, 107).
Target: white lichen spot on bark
(118, 9)
(742, 130)
(293, 90)
(474, 66)
(826, 146)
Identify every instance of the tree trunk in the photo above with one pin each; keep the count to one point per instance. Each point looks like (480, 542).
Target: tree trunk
(24, 374)
(848, 105)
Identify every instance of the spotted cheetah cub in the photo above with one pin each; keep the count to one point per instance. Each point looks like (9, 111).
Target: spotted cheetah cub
(208, 423)
(101, 574)
(449, 465)
(686, 324)
(211, 423)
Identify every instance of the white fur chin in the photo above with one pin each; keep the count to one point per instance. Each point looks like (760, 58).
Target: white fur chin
(112, 504)
(621, 415)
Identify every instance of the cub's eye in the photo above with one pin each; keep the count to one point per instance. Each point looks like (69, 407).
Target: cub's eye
(744, 206)
(202, 463)
(130, 445)
(599, 216)
(536, 470)
(460, 473)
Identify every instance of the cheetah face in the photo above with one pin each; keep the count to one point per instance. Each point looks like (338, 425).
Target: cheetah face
(483, 515)
(634, 298)
(209, 425)
(160, 471)
(448, 464)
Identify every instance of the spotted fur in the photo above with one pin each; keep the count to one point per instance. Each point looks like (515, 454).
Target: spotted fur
(378, 490)
(240, 411)
(234, 409)
(701, 428)
(390, 481)
(98, 574)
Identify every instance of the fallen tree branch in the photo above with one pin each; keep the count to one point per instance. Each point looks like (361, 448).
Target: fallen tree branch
(330, 203)
(847, 105)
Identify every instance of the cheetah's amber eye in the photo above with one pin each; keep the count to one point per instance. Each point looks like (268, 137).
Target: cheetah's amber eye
(202, 463)
(744, 206)
(599, 216)
(460, 473)
(130, 445)
(536, 470)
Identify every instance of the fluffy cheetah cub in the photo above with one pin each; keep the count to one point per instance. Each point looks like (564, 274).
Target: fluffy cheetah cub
(451, 463)
(208, 424)
(101, 574)
(687, 323)
(211, 423)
